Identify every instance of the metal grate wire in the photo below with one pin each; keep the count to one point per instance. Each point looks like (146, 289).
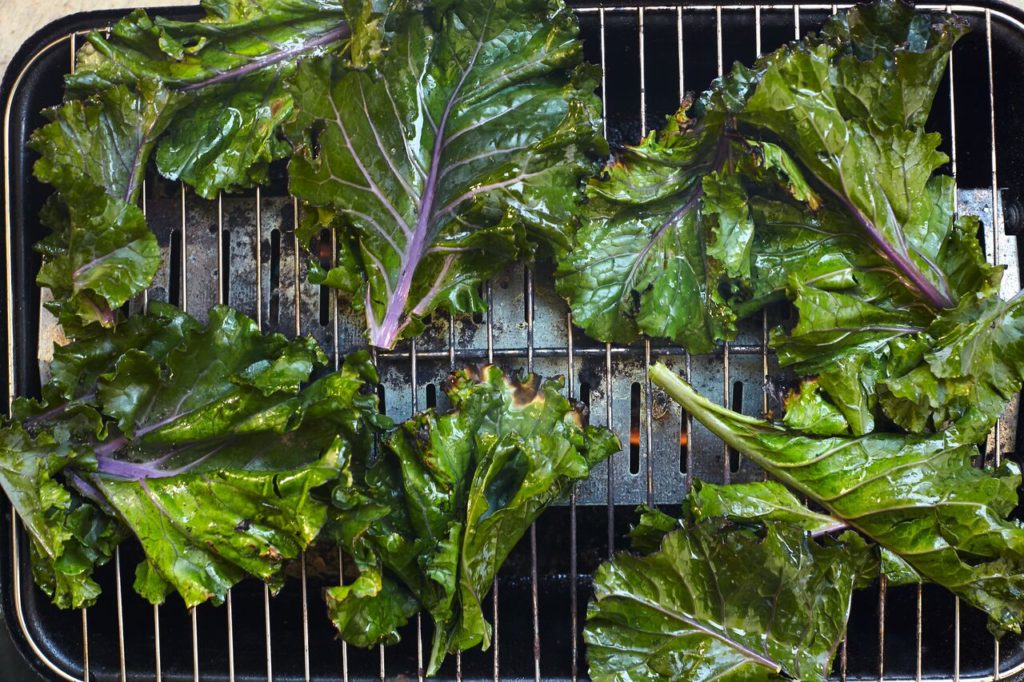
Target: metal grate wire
(450, 342)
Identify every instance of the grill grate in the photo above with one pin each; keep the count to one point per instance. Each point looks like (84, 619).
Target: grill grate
(242, 250)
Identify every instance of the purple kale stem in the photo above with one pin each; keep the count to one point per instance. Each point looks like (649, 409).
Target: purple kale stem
(111, 446)
(387, 333)
(89, 491)
(255, 65)
(129, 470)
(84, 487)
(106, 450)
(58, 410)
(151, 469)
(833, 527)
(937, 299)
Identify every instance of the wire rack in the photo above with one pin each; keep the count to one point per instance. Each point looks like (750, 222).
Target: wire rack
(242, 250)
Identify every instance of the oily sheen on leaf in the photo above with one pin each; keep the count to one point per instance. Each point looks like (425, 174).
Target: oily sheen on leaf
(204, 97)
(204, 443)
(693, 609)
(451, 496)
(466, 138)
(918, 497)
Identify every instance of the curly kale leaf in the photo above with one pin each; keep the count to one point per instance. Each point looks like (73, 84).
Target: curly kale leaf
(224, 75)
(449, 155)
(850, 106)
(640, 262)
(694, 610)
(204, 443)
(204, 97)
(916, 496)
(438, 512)
(780, 172)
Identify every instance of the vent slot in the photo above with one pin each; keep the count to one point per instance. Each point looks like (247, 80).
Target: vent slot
(634, 428)
(736, 406)
(175, 270)
(225, 266)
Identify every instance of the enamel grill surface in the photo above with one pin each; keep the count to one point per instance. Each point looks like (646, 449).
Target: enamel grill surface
(242, 250)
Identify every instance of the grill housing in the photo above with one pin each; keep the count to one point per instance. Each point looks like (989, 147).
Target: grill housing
(241, 250)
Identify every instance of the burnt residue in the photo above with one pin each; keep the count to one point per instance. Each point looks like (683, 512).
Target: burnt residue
(524, 389)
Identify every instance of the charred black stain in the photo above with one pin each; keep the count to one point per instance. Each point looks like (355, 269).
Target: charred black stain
(524, 390)
(582, 412)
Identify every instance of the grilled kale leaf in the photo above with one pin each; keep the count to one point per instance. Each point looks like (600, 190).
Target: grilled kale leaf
(917, 496)
(693, 609)
(780, 176)
(448, 156)
(204, 97)
(431, 520)
(204, 443)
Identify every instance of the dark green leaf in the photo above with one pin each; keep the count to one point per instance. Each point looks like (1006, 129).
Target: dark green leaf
(68, 536)
(203, 442)
(639, 264)
(807, 410)
(917, 496)
(971, 359)
(469, 134)
(876, 161)
(213, 86)
(650, 530)
(695, 611)
(95, 153)
(370, 609)
(757, 502)
(452, 495)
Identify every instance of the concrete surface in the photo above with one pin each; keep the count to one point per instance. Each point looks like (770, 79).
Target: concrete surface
(19, 19)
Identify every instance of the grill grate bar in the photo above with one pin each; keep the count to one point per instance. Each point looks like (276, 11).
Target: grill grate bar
(266, 626)
(231, 637)
(495, 629)
(85, 614)
(297, 283)
(195, 645)
(344, 644)
(534, 583)
(648, 402)
(414, 384)
(551, 351)
(996, 238)
(883, 585)
(120, 613)
(570, 385)
(381, 670)
(956, 207)
(85, 643)
(726, 459)
(918, 634)
(157, 665)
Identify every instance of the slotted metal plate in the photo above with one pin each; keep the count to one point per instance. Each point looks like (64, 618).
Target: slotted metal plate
(242, 250)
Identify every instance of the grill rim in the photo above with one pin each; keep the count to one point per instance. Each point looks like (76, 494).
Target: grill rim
(68, 29)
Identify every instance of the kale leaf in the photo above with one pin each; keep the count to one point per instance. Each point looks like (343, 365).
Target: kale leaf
(781, 176)
(204, 443)
(917, 496)
(448, 156)
(431, 520)
(694, 610)
(205, 96)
